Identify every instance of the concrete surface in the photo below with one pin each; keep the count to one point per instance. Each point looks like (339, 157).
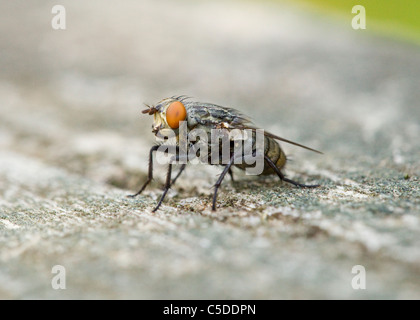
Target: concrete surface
(73, 144)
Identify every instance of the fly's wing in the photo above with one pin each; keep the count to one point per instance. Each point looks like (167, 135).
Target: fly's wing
(229, 118)
(218, 117)
(268, 134)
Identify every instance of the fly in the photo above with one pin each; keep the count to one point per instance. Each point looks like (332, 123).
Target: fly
(171, 112)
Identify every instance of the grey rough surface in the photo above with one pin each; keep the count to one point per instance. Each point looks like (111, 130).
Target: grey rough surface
(73, 145)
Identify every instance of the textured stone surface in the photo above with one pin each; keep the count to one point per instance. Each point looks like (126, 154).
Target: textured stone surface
(73, 145)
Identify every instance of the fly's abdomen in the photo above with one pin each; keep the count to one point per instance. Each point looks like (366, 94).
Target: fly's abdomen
(273, 151)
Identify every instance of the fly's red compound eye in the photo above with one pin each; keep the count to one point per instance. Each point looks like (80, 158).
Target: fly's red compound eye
(175, 113)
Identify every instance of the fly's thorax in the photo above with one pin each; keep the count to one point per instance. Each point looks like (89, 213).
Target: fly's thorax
(211, 114)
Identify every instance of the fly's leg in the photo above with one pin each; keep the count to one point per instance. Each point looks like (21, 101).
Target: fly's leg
(231, 174)
(150, 176)
(168, 182)
(179, 173)
(282, 177)
(219, 181)
(301, 185)
(167, 186)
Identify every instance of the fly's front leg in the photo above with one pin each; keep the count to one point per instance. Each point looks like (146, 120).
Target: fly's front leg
(167, 186)
(150, 176)
(168, 182)
(283, 178)
(231, 174)
(179, 173)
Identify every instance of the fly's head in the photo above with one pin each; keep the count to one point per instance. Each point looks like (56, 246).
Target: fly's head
(168, 115)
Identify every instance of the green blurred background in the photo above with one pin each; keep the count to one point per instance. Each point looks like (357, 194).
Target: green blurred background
(396, 19)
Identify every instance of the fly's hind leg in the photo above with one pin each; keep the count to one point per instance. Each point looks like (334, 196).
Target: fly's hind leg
(283, 178)
(301, 185)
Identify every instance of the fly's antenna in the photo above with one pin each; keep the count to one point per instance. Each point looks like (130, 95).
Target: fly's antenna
(150, 110)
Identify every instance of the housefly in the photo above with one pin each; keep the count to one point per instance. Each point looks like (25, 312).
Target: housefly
(171, 114)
